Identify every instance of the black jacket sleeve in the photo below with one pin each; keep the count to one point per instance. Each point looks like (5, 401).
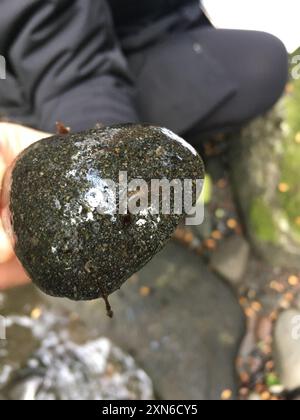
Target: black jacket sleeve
(63, 63)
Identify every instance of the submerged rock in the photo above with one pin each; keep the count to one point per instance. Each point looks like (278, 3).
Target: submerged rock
(65, 212)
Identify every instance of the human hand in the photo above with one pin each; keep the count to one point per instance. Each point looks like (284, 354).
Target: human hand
(14, 138)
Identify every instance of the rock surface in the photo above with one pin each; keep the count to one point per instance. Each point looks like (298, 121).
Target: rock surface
(182, 324)
(231, 258)
(268, 156)
(287, 347)
(70, 235)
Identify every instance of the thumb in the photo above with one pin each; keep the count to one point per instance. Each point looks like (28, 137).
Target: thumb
(12, 274)
(2, 168)
(6, 250)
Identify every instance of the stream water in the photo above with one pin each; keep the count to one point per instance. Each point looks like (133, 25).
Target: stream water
(49, 354)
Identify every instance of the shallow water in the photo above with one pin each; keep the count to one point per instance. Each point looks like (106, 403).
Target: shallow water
(50, 354)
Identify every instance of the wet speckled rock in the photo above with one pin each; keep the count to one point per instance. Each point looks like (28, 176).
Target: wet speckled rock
(68, 235)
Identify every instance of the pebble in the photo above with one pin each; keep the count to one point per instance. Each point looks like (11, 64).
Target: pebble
(231, 258)
(287, 348)
(70, 235)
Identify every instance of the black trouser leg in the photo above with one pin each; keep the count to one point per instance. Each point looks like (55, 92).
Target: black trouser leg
(258, 62)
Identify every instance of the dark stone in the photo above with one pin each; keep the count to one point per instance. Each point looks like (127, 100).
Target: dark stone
(184, 332)
(58, 197)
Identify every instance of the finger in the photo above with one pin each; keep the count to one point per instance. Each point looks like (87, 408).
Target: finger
(5, 143)
(2, 169)
(14, 138)
(24, 137)
(12, 274)
(6, 250)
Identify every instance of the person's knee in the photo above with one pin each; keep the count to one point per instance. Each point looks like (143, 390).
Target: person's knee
(258, 64)
(270, 69)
